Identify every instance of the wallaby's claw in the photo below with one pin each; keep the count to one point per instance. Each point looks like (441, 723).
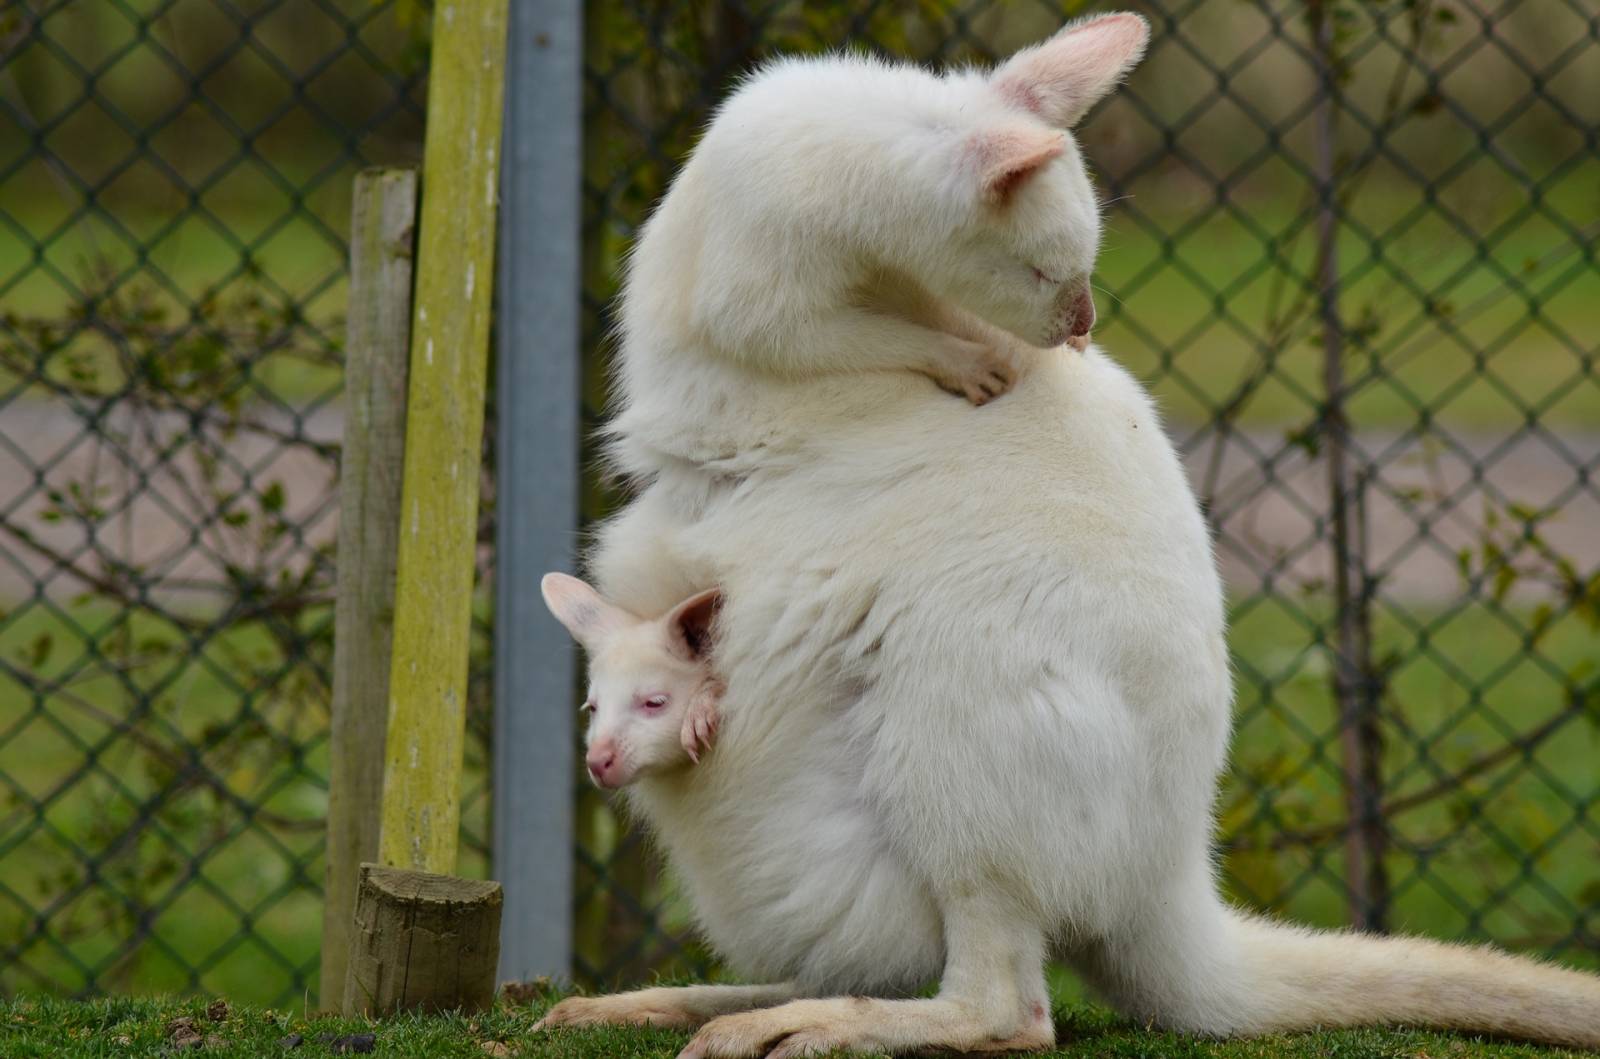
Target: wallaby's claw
(979, 372)
(699, 729)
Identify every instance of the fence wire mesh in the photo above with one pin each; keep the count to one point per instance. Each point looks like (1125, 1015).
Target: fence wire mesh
(1350, 245)
(174, 199)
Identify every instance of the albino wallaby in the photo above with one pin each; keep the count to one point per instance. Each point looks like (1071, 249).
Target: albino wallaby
(977, 689)
(652, 700)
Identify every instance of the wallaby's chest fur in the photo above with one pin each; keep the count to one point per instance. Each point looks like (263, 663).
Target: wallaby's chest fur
(905, 618)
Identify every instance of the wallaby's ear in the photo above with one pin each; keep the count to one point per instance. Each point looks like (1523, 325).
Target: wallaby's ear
(585, 613)
(1062, 78)
(1005, 158)
(689, 624)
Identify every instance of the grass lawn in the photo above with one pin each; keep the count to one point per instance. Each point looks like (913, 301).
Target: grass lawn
(1473, 325)
(59, 1029)
(94, 823)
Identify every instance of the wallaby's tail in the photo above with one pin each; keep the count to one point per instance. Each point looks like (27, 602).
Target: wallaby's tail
(1293, 978)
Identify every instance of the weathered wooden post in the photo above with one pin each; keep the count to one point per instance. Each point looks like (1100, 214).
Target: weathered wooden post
(382, 242)
(421, 938)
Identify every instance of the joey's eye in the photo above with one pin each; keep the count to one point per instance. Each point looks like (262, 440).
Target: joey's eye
(588, 707)
(655, 702)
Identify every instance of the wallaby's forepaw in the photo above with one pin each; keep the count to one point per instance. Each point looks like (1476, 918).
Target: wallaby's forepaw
(700, 721)
(1078, 342)
(978, 371)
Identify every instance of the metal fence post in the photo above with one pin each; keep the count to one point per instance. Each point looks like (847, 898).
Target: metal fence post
(1359, 733)
(538, 406)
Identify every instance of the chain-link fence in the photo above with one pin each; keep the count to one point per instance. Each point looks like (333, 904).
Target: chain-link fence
(1350, 245)
(174, 202)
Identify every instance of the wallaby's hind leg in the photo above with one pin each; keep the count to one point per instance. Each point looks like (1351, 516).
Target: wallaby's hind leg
(1174, 963)
(684, 1007)
(992, 999)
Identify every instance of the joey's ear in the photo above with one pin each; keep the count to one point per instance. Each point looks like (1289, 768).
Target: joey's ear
(1006, 158)
(585, 613)
(689, 624)
(1062, 78)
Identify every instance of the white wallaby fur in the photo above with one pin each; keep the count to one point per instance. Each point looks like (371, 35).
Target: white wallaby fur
(977, 692)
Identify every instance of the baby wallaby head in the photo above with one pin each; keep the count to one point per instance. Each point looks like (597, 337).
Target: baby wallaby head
(650, 680)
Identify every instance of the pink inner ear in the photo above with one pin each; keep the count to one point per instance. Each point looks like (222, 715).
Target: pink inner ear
(689, 623)
(1062, 78)
(1007, 158)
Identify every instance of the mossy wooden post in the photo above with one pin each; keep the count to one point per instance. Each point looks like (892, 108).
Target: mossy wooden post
(444, 438)
(382, 244)
(395, 958)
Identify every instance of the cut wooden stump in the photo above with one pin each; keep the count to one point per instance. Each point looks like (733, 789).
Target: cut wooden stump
(422, 942)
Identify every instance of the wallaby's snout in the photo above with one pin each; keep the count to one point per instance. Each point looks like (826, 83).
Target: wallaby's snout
(1075, 310)
(605, 764)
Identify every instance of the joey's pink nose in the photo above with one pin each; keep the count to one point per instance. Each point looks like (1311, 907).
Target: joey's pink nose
(602, 762)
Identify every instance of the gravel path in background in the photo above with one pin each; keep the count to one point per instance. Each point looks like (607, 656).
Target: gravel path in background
(1425, 501)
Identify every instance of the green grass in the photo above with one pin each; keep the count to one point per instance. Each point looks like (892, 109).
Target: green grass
(1188, 289)
(59, 1029)
(1503, 855)
(259, 721)
(294, 264)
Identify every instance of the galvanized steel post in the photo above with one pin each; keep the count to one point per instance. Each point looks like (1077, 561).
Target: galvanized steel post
(538, 404)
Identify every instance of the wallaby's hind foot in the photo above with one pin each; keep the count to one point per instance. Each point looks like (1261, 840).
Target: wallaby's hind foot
(683, 1008)
(859, 1024)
